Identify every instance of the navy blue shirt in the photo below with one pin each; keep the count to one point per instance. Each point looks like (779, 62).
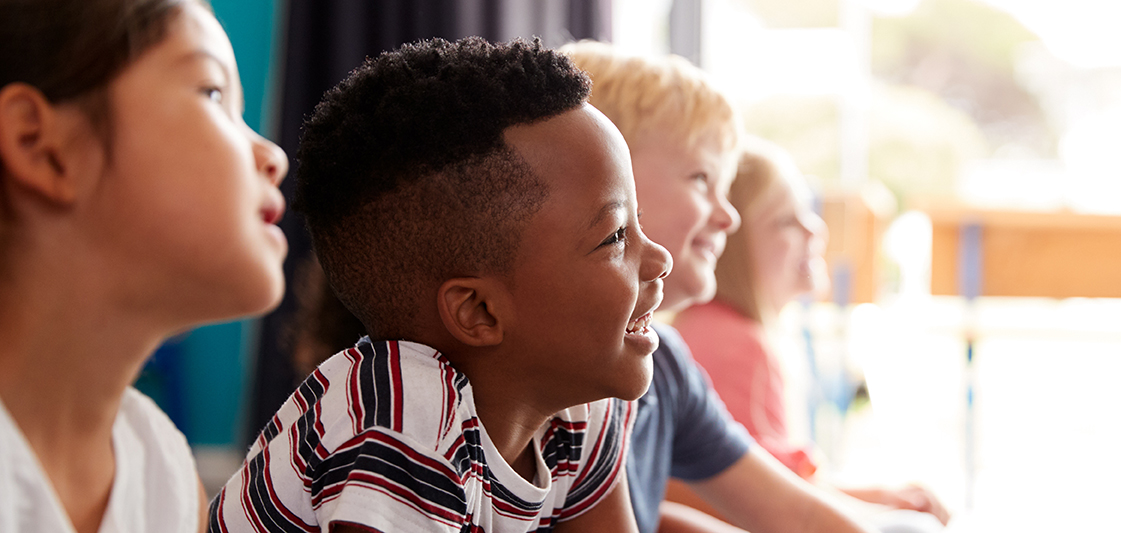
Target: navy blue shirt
(682, 430)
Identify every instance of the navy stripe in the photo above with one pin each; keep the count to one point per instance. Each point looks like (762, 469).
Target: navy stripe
(215, 507)
(377, 393)
(384, 461)
(608, 456)
(470, 451)
(564, 445)
(307, 438)
(257, 487)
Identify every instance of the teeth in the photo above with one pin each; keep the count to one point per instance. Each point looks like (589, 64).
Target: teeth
(640, 324)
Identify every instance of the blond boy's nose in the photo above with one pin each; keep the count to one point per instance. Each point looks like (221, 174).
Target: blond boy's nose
(726, 216)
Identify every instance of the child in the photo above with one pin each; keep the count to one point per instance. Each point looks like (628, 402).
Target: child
(774, 258)
(683, 140)
(134, 203)
(480, 219)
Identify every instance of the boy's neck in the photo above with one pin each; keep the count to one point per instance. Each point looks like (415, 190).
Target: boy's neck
(511, 426)
(506, 406)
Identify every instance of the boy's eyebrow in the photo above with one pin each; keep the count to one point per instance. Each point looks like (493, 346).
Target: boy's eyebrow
(605, 212)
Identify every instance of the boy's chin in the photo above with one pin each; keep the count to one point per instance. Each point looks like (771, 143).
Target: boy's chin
(639, 383)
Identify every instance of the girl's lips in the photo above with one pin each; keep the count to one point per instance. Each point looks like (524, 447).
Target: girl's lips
(273, 211)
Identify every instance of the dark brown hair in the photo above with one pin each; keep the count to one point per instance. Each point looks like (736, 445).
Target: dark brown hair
(406, 180)
(71, 49)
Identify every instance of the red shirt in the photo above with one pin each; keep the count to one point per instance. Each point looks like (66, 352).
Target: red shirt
(733, 350)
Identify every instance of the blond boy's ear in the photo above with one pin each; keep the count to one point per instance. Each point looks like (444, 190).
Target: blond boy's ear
(39, 144)
(472, 310)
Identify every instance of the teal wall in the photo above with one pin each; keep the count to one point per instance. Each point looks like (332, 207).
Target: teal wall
(202, 379)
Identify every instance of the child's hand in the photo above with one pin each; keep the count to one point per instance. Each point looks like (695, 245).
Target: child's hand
(916, 498)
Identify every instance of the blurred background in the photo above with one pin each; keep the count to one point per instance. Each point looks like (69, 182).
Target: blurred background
(967, 158)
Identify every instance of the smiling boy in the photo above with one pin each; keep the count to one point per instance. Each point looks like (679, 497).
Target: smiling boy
(480, 218)
(682, 135)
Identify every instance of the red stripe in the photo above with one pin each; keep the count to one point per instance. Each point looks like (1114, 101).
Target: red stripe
(374, 434)
(448, 395)
(454, 447)
(598, 495)
(221, 518)
(451, 394)
(275, 500)
(247, 502)
(353, 393)
(398, 389)
(506, 509)
(403, 495)
(595, 449)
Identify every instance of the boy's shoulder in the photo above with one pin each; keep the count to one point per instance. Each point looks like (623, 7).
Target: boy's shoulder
(386, 433)
(400, 387)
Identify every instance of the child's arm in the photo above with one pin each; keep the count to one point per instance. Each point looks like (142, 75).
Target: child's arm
(612, 514)
(204, 509)
(758, 494)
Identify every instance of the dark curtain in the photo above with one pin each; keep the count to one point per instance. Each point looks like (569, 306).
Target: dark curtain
(328, 38)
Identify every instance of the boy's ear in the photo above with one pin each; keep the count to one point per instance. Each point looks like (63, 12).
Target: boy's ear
(470, 309)
(36, 141)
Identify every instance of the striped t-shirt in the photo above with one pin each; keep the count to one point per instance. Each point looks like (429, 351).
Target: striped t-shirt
(385, 436)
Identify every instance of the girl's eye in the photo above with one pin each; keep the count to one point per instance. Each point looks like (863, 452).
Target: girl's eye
(213, 93)
(619, 236)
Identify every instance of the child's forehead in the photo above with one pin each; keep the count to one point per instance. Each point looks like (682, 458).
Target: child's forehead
(689, 137)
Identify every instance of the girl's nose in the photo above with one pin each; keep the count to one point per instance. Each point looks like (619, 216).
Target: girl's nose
(271, 160)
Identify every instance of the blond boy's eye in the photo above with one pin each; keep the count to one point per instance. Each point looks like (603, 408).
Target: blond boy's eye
(213, 93)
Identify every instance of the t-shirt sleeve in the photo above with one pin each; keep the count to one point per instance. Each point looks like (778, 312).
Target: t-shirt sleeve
(376, 480)
(706, 438)
(610, 422)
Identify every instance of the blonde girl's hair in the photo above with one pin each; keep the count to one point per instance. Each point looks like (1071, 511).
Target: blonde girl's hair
(642, 94)
(761, 172)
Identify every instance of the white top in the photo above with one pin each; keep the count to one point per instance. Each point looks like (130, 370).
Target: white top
(155, 487)
(385, 435)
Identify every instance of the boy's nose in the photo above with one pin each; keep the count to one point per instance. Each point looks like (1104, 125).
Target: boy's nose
(656, 262)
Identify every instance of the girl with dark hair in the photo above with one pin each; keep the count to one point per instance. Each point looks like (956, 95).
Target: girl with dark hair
(135, 203)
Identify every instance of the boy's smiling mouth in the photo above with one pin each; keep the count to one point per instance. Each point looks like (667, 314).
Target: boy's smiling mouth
(641, 324)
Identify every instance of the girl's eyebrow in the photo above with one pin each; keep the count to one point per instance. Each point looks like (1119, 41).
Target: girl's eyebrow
(202, 54)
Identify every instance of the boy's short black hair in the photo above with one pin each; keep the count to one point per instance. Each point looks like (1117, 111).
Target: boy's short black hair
(405, 178)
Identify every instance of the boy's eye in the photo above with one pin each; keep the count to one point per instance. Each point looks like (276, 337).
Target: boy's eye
(619, 236)
(701, 179)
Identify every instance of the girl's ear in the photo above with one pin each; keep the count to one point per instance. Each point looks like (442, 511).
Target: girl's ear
(472, 310)
(37, 144)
